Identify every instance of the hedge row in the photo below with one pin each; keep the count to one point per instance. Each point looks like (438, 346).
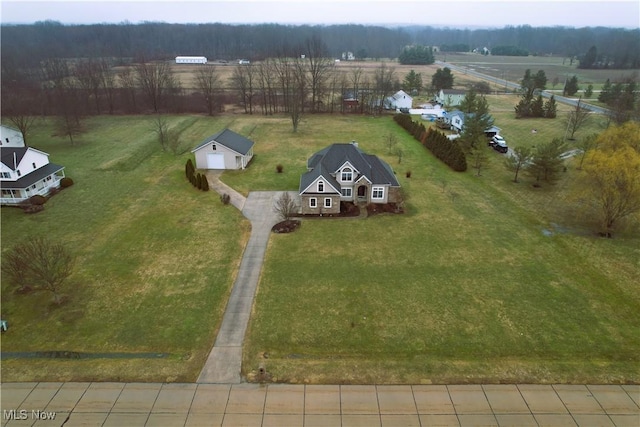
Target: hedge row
(448, 151)
(197, 180)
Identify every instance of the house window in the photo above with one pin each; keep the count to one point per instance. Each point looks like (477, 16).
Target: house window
(377, 193)
(34, 165)
(313, 203)
(347, 175)
(18, 172)
(213, 147)
(6, 175)
(346, 192)
(327, 202)
(320, 186)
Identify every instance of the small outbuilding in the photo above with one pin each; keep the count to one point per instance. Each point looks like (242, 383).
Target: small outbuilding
(224, 150)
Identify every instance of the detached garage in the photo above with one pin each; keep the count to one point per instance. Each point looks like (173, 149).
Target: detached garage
(224, 150)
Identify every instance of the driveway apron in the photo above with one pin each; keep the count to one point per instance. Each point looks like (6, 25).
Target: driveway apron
(225, 360)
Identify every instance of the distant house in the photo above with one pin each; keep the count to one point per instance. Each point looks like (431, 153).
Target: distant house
(450, 97)
(400, 99)
(10, 137)
(455, 119)
(224, 150)
(25, 171)
(343, 172)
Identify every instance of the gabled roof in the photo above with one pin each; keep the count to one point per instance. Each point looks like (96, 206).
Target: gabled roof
(12, 156)
(229, 139)
(400, 94)
(328, 160)
(319, 172)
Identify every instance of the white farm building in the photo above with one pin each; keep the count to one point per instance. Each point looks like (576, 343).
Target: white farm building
(191, 59)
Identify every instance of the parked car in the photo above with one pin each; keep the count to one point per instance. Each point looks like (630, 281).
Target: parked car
(499, 144)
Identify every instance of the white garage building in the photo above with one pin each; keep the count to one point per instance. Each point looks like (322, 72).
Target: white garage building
(224, 150)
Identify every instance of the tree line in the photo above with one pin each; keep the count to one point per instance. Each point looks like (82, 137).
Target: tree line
(30, 44)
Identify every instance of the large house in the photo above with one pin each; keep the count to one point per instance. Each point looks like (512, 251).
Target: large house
(343, 172)
(25, 171)
(224, 150)
(450, 97)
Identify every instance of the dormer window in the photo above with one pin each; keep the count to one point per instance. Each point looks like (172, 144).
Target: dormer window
(320, 186)
(347, 175)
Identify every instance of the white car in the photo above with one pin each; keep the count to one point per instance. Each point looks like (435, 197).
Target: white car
(499, 144)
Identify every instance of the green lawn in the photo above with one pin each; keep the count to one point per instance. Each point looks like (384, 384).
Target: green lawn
(463, 287)
(459, 289)
(155, 258)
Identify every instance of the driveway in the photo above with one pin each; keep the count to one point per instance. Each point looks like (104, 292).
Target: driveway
(225, 360)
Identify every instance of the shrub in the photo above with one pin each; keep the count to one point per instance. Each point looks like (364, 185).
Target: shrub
(225, 199)
(199, 182)
(279, 168)
(66, 182)
(37, 200)
(408, 174)
(189, 170)
(205, 183)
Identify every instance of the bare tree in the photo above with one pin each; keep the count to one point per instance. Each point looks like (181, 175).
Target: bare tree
(46, 264)
(89, 78)
(319, 66)
(243, 80)
(128, 83)
(156, 81)
(285, 206)
(108, 83)
(384, 78)
(576, 118)
(208, 82)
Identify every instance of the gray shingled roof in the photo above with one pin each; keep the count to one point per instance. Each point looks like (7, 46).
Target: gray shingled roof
(8, 156)
(329, 160)
(229, 139)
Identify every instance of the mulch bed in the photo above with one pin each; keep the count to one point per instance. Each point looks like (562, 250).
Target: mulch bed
(286, 226)
(373, 209)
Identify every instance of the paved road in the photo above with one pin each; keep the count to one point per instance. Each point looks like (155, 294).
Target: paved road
(516, 87)
(168, 405)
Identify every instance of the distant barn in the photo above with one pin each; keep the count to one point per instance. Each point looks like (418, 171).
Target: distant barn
(191, 60)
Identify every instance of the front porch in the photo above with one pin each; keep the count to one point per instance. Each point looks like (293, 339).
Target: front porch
(12, 195)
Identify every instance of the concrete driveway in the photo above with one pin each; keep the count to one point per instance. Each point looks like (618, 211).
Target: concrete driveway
(225, 360)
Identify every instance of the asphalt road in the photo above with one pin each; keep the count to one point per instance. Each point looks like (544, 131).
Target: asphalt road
(516, 87)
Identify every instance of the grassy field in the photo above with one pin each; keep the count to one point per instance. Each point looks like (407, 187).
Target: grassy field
(155, 259)
(466, 286)
(482, 280)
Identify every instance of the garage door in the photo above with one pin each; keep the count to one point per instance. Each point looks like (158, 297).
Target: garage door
(215, 161)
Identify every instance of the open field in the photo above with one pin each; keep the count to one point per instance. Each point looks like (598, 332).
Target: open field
(155, 259)
(464, 287)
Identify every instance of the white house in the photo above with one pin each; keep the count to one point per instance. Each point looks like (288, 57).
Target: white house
(450, 97)
(191, 60)
(10, 137)
(400, 99)
(26, 172)
(224, 150)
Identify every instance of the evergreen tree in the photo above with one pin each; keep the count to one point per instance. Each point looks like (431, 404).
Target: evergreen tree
(546, 163)
(550, 108)
(412, 82)
(571, 87)
(537, 107)
(590, 58)
(442, 79)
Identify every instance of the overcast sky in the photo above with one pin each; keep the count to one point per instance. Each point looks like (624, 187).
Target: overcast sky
(454, 13)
